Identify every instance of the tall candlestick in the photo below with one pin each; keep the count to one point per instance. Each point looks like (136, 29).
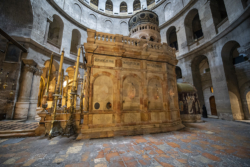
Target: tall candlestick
(55, 130)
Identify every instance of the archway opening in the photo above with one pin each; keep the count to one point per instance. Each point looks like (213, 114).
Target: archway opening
(172, 38)
(123, 7)
(178, 74)
(137, 5)
(202, 80)
(231, 61)
(219, 12)
(109, 5)
(55, 31)
(75, 41)
(193, 26)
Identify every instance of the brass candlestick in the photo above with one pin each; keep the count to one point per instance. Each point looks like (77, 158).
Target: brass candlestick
(70, 127)
(45, 96)
(61, 89)
(55, 125)
(66, 94)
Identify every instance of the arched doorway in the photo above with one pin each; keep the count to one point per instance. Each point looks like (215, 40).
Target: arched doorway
(213, 105)
(41, 92)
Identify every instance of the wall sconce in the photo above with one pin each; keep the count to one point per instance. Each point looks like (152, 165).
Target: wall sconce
(5, 84)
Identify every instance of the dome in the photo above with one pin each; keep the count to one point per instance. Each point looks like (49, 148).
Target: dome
(143, 17)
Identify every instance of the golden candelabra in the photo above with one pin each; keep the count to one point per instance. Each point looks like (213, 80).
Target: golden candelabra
(55, 125)
(70, 127)
(45, 96)
(61, 89)
(66, 94)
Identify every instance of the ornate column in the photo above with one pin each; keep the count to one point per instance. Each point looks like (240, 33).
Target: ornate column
(23, 101)
(34, 93)
(49, 20)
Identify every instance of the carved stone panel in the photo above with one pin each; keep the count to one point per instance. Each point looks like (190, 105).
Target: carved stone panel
(131, 93)
(103, 93)
(155, 99)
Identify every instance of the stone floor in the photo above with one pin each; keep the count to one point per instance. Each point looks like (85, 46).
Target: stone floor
(213, 143)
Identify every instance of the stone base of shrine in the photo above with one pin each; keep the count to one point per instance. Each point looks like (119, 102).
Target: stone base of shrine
(128, 130)
(191, 118)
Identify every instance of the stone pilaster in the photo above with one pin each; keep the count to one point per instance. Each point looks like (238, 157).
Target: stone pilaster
(32, 114)
(23, 101)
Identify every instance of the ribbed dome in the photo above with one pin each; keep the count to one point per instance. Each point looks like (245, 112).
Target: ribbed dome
(142, 17)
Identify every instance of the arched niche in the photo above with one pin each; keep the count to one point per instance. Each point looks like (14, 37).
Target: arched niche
(193, 26)
(172, 37)
(124, 28)
(155, 98)
(131, 93)
(56, 31)
(103, 93)
(94, 2)
(123, 7)
(77, 12)
(231, 57)
(75, 41)
(92, 21)
(168, 11)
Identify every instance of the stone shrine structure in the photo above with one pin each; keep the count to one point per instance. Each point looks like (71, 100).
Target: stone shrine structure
(130, 84)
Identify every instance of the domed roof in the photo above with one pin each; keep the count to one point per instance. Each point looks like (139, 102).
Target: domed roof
(142, 17)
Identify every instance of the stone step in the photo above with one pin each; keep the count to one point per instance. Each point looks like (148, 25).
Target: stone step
(213, 116)
(17, 133)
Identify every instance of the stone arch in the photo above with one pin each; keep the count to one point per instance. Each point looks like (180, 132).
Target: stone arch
(155, 93)
(131, 92)
(168, 11)
(93, 21)
(172, 37)
(109, 5)
(77, 12)
(193, 26)
(123, 7)
(219, 12)
(56, 31)
(202, 80)
(75, 41)
(20, 15)
(136, 5)
(229, 53)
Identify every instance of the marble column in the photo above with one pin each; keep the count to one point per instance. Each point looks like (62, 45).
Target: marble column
(23, 101)
(49, 20)
(34, 93)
